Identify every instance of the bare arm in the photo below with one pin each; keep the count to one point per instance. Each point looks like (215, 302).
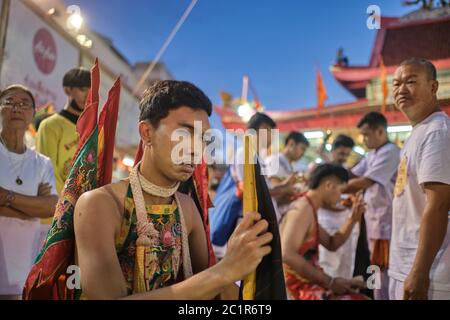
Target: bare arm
(40, 206)
(432, 233)
(358, 184)
(275, 181)
(13, 213)
(334, 242)
(198, 247)
(283, 190)
(101, 273)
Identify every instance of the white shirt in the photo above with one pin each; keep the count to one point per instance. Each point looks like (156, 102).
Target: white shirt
(425, 157)
(278, 166)
(341, 262)
(379, 166)
(19, 238)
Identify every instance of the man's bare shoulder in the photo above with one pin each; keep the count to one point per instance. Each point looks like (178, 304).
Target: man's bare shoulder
(190, 209)
(103, 202)
(301, 203)
(118, 188)
(300, 209)
(184, 198)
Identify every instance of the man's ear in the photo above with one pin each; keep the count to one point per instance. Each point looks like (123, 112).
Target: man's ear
(290, 144)
(68, 91)
(381, 131)
(434, 87)
(328, 184)
(147, 132)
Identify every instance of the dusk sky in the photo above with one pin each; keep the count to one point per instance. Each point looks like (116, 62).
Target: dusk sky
(279, 44)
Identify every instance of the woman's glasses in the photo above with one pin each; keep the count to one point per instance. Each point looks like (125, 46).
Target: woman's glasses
(19, 105)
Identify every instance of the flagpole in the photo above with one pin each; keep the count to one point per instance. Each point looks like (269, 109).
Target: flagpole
(383, 84)
(164, 46)
(255, 95)
(244, 94)
(250, 204)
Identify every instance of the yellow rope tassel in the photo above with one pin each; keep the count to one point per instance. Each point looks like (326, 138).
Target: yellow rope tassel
(139, 284)
(250, 204)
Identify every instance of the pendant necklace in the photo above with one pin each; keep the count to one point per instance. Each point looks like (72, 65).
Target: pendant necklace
(19, 181)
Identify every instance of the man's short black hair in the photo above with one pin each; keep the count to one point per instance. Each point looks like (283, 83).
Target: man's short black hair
(374, 120)
(327, 170)
(166, 95)
(77, 78)
(258, 119)
(343, 141)
(298, 137)
(429, 67)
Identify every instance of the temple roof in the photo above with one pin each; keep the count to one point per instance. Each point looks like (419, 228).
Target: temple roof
(397, 40)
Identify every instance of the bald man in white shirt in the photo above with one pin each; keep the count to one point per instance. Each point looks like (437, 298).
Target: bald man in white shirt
(420, 248)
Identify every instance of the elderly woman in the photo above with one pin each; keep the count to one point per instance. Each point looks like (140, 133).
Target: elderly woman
(27, 191)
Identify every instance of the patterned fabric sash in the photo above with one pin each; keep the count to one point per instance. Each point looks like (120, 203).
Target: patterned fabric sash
(160, 264)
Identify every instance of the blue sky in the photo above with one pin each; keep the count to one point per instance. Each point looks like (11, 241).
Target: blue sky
(277, 43)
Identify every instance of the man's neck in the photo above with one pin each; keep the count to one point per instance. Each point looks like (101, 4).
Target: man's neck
(385, 142)
(69, 107)
(315, 198)
(13, 140)
(436, 109)
(149, 172)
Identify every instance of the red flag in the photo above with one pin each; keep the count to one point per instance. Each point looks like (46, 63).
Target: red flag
(107, 124)
(88, 119)
(321, 92)
(201, 182)
(384, 85)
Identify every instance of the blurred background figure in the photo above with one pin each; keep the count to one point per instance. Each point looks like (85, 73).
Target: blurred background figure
(375, 175)
(57, 137)
(280, 166)
(339, 263)
(301, 234)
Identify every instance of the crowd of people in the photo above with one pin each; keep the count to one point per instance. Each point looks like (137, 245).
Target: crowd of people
(386, 216)
(389, 211)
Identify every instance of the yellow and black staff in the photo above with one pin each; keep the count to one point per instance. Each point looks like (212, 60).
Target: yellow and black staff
(267, 282)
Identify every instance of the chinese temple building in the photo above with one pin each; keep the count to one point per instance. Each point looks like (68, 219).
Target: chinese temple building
(422, 33)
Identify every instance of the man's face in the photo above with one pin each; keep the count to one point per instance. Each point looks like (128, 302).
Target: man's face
(296, 150)
(79, 95)
(264, 136)
(372, 138)
(16, 109)
(176, 132)
(341, 154)
(333, 191)
(414, 93)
